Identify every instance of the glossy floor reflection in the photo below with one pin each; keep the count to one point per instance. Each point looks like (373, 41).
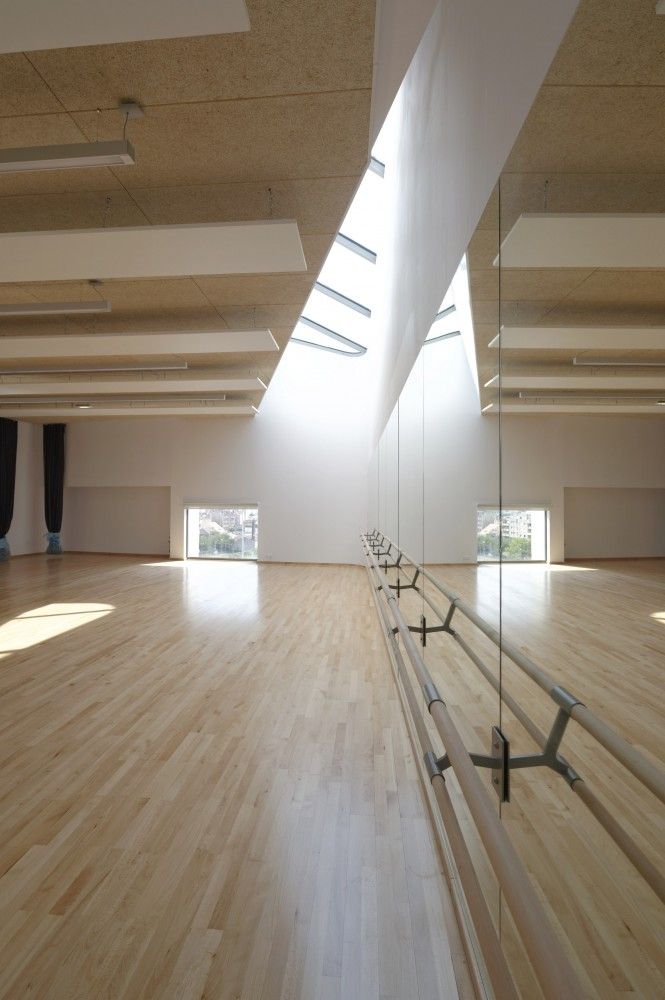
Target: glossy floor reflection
(209, 791)
(594, 627)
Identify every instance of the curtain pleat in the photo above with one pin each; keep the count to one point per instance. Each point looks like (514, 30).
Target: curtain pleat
(8, 439)
(54, 483)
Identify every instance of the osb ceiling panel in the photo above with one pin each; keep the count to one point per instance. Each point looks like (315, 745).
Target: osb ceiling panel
(592, 142)
(291, 48)
(273, 123)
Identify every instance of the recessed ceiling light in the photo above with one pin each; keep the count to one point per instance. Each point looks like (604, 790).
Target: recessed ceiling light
(660, 402)
(118, 153)
(82, 406)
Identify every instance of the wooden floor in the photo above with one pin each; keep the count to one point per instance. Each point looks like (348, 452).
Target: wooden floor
(207, 790)
(599, 629)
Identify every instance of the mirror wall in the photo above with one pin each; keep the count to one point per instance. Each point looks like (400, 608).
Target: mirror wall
(523, 469)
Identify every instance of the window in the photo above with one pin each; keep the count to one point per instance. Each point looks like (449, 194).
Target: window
(222, 532)
(520, 532)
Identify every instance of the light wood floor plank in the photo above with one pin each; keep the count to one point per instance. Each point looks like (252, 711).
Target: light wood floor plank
(207, 789)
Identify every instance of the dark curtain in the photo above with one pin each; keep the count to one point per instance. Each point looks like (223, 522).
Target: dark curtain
(8, 437)
(54, 482)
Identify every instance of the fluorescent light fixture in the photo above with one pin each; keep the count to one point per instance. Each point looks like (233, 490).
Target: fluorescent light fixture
(581, 338)
(491, 381)
(54, 308)
(488, 407)
(181, 366)
(616, 363)
(82, 406)
(117, 153)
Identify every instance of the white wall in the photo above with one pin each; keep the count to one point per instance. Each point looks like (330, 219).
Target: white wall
(134, 519)
(602, 523)
(540, 457)
(27, 533)
(464, 99)
(303, 459)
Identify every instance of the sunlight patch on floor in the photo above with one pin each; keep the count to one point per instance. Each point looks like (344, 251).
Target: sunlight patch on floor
(47, 622)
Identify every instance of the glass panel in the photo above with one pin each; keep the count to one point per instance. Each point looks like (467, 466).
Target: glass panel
(461, 472)
(580, 363)
(222, 532)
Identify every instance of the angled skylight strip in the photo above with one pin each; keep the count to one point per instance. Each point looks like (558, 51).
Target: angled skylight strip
(443, 336)
(355, 247)
(356, 350)
(343, 299)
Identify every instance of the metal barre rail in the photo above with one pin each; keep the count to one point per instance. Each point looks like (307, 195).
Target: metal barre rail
(635, 762)
(569, 707)
(548, 958)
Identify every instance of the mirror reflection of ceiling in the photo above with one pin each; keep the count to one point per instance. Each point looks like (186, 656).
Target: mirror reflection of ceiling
(589, 336)
(268, 124)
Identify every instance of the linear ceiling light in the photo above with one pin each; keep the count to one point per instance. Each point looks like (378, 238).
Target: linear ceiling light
(181, 366)
(617, 363)
(118, 153)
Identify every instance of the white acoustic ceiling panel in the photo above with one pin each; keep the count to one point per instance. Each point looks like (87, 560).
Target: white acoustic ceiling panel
(644, 383)
(136, 344)
(647, 408)
(46, 24)
(139, 386)
(580, 338)
(65, 413)
(152, 251)
(581, 240)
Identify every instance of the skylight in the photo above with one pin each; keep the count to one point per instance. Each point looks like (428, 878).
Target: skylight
(337, 314)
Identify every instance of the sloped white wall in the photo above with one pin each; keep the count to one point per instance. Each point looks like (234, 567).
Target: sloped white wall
(463, 101)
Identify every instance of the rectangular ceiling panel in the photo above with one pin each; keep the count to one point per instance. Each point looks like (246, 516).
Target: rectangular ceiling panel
(585, 240)
(645, 383)
(139, 386)
(44, 24)
(152, 251)
(137, 344)
(581, 338)
(65, 413)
